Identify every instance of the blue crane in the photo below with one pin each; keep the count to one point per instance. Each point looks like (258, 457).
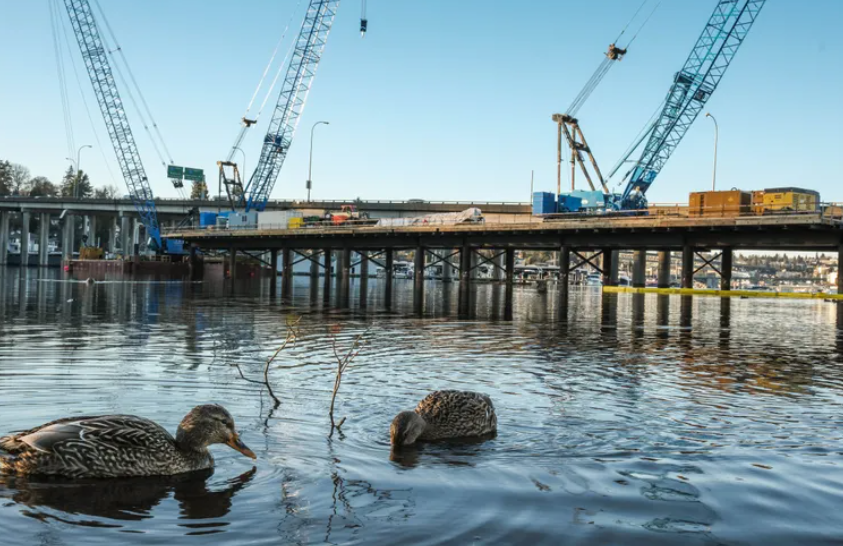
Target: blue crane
(94, 54)
(296, 85)
(692, 86)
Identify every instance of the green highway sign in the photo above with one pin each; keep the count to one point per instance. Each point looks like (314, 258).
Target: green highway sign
(194, 174)
(175, 172)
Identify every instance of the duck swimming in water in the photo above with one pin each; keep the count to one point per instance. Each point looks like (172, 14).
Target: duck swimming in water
(445, 414)
(111, 446)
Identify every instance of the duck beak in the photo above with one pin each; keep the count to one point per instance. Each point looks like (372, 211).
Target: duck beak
(236, 444)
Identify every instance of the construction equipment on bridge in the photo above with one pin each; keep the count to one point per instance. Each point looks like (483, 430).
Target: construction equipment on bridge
(95, 55)
(347, 213)
(785, 200)
(720, 203)
(692, 86)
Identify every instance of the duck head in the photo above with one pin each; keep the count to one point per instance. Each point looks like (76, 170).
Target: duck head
(210, 424)
(406, 428)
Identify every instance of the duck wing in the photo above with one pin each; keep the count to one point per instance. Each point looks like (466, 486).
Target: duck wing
(103, 431)
(459, 413)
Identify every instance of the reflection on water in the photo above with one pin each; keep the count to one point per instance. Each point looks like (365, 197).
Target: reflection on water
(622, 419)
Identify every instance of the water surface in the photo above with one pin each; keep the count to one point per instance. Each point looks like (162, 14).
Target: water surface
(626, 420)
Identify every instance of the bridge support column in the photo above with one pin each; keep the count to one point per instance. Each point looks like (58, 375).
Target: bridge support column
(68, 234)
(498, 271)
(564, 272)
(91, 230)
(136, 225)
(287, 274)
(364, 277)
(465, 264)
(273, 274)
(687, 266)
(24, 238)
(4, 237)
(726, 269)
(447, 269)
(509, 279)
(639, 269)
(326, 256)
(232, 265)
(610, 278)
(839, 272)
(126, 236)
(112, 234)
(389, 265)
(44, 240)
(664, 269)
(345, 276)
(418, 280)
(314, 267)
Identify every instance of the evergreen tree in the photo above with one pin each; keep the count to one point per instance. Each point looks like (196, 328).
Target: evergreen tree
(76, 184)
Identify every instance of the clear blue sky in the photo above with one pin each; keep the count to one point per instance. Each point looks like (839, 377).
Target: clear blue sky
(442, 100)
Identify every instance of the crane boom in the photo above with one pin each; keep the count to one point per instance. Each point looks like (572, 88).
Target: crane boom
(297, 82)
(692, 86)
(94, 55)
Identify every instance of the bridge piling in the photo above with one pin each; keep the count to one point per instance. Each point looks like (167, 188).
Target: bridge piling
(4, 237)
(509, 260)
(345, 276)
(112, 234)
(418, 280)
(24, 238)
(664, 269)
(44, 240)
(68, 236)
(726, 269)
(564, 273)
(687, 266)
(287, 274)
(91, 230)
(388, 266)
(273, 277)
(232, 265)
(326, 292)
(639, 269)
(364, 277)
(125, 236)
(608, 266)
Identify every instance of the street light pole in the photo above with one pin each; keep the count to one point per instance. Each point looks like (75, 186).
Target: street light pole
(716, 137)
(310, 165)
(79, 169)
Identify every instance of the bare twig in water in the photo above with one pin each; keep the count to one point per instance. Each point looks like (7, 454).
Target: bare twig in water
(292, 336)
(342, 365)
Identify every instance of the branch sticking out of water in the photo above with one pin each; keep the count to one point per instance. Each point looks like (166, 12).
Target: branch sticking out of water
(292, 336)
(343, 361)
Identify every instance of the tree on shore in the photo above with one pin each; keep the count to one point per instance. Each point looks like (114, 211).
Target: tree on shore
(40, 186)
(199, 190)
(5, 178)
(75, 184)
(19, 177)
(107, 192)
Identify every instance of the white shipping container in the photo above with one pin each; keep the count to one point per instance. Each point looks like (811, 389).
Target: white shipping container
(277, 218)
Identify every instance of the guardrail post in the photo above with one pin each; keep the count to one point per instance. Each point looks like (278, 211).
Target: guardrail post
(726, 269)
(664, 269)
(639, 269)
(687, 266)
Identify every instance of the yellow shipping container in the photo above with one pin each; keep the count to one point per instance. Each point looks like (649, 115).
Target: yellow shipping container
(295, 223)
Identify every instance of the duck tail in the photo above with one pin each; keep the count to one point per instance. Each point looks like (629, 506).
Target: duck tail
(10, 444)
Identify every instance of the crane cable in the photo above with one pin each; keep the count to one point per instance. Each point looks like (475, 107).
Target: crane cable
(66, 35)
(269, 64)
(119, 49)
(607, 62)
(246, 124)
(65, 103)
